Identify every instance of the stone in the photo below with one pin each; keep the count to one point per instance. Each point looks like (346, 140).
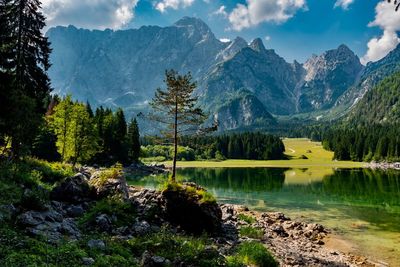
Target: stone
(103, 223)
(110, 186)
(87, 261)
(96, 244)
(187, 211)
(75, 211)
(74, 189)
(141, 228)
(148, 260)
(30, 218)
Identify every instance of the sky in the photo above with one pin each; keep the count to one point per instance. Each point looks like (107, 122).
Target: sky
(296, 29)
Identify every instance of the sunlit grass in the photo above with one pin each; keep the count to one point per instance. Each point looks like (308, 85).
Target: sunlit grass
(295, 148)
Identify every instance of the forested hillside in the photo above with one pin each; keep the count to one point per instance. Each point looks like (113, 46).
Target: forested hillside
(381, 105)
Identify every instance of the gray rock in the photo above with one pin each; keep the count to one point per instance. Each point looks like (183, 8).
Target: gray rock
(103, 223)
(30, 218)
(74, 189)
(141, 228)
(75, 211)
(96, 244)
(88, 261)
(148, 260)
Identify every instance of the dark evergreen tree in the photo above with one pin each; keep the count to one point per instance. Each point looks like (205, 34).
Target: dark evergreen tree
(134, 141)
(27, 52)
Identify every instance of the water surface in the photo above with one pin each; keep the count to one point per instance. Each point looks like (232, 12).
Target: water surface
(360, 204)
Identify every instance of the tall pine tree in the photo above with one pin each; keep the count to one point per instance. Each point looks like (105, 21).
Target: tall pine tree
(134, 141)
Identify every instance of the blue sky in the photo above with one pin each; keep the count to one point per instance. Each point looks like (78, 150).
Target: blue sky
(296, 29)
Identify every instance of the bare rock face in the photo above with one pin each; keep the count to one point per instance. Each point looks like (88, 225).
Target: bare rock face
(186, 209)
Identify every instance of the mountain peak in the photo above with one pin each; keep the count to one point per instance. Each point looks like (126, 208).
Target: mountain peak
(191, 21)
(257, 45)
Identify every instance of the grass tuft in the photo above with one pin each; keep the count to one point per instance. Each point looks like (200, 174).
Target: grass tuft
(251, 254)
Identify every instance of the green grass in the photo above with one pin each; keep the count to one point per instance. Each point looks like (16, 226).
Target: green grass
(196, 251)
(123, 212)
(251, 254)
(295, 148)
(246, 218)
(251, 232)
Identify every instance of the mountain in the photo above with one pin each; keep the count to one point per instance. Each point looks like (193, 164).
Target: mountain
(257, 70)
(380, 105)
(327, 77)
(238, 82)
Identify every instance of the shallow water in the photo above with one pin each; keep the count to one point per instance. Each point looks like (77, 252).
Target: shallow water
(360, 204)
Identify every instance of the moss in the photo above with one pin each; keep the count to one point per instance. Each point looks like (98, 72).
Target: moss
(253, 254)
(114, 172)
(203, 196)
(246, 218)
(251, 232)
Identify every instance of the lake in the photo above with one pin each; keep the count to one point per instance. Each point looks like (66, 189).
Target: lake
(362, 205)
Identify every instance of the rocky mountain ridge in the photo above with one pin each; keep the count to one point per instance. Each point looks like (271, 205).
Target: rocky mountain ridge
(123, 68)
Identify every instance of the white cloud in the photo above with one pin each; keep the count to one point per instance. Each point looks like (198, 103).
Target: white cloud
(221, 12)
(91, 14)
(258, 11)
(389, 21)
(344, 3)
(267, 38)
(163, 5)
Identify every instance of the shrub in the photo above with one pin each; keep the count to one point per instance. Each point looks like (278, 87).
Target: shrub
(246, 218)
(251, 253)
(251, 232)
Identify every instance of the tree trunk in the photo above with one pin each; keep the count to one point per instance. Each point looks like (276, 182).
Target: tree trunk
(175, 140)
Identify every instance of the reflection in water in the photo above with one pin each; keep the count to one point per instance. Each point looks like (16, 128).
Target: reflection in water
(361, 203)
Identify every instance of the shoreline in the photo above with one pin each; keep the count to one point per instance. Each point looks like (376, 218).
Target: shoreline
(296, 163)
(297, 243)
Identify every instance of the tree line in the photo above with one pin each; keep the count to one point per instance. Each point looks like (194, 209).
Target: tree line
(375, 142)
(74, 133)
(253, 146)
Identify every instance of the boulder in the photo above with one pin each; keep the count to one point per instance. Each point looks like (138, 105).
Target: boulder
(87, 261)
(74, 189)
(103, 223)
(184, 207)
(96, 244)
(153, 261)
(111, 186)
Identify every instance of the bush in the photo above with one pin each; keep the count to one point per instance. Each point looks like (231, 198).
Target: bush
(246, 218)
(251, 253)
(251, 232)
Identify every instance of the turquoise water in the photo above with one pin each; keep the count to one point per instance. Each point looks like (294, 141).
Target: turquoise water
(360, 204)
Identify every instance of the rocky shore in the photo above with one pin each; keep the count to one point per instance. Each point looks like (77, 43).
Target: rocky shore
(384, 165)
(292, 243)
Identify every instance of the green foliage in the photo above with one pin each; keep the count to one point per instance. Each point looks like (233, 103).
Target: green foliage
(75, 131)
(253, 254)
(24, 61)
(192, 250)
(256, 146)
(251, 232)
(133, 141)
(123, 211)
(183, 153)
(246, 218)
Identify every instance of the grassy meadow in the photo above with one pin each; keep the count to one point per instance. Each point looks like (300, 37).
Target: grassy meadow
(301, 153)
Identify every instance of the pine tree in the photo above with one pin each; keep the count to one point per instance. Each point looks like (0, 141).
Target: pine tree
(27, 52)
(175, 108)
(134, 141)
